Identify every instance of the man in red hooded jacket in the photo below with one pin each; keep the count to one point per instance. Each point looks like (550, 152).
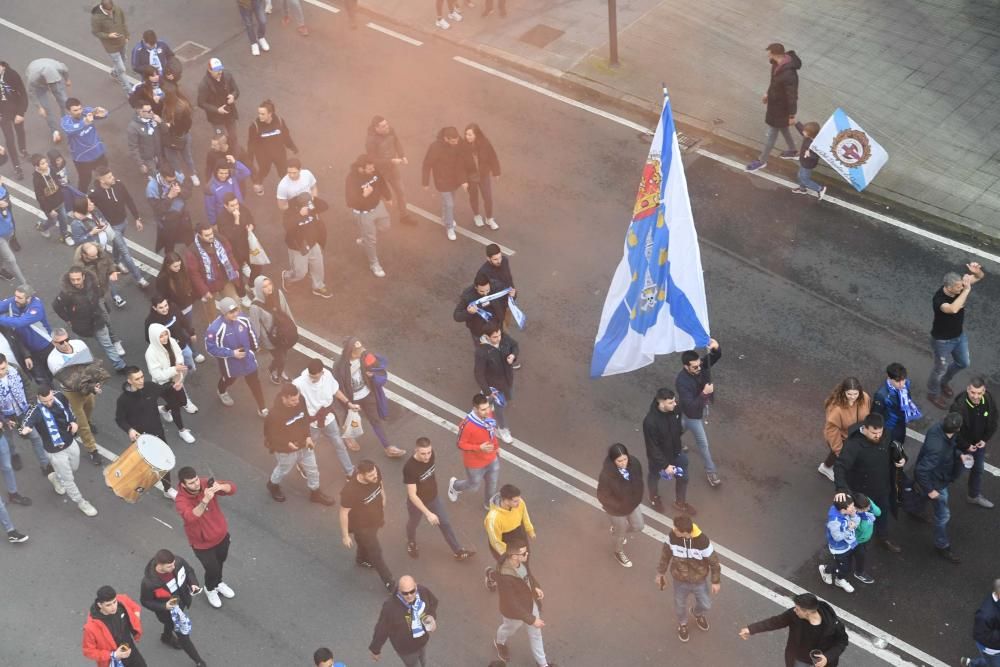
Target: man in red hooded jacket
(113, 629)
(477, 438)
(206, 527)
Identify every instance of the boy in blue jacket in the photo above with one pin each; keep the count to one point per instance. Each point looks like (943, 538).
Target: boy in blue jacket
(841, 538)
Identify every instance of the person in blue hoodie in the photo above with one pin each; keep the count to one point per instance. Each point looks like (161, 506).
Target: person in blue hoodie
(25, 314)
(230, 339)
(7, 258)
(85, 146)
(228, 176)
(893, 402)
(841, 538)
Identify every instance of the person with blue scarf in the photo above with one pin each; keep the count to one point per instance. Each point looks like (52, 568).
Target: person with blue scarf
(406, 621)
(7, 258)
(893, 402)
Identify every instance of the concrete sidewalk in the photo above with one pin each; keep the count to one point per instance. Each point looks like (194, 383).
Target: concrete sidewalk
(923, 76)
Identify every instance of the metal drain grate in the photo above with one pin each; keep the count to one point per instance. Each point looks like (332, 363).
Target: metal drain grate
(541, 35)
(189, 51)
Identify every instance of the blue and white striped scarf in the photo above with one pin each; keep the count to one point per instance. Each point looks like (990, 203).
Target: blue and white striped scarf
(206, 261)
(489, 424)
(415, 614)
(50, 422)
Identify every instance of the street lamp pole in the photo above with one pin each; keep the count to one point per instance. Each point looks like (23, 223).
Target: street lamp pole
(613, 32)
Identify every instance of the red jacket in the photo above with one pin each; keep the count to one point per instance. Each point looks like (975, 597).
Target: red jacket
(196, 269)
(97, 640)
(470, 437)
(210, 528)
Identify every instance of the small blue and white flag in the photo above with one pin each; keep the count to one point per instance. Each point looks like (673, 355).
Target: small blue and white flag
(656, 302)
(851, 151)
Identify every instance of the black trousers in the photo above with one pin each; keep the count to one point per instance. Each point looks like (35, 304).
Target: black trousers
(10, 132)
(183, 640)
(264, 162)
(253, 381)
(370, 550)
(212, 560)
(134, 659)
(85, 172)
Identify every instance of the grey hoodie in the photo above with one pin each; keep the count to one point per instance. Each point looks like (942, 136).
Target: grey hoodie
(260, 319)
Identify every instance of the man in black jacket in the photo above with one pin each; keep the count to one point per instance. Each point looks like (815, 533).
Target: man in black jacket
(478, 317)
(812, 626)
(79, 304)
(451, 168)
(662, 430)
(939, 463)
(496, 355)
(520, 602)
(781, 101)
(305, 236)
(979, 425)
(366, 193)
(286, 435)
(407, 620)
(137, 412)
(865, 465)
(986, 631)
(112, 199)
(383, 146)
(168, 583)
(695, 391)
(13, 107)
(217, 95)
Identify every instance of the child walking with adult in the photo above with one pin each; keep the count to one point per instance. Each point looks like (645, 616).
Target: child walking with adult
(841, 538)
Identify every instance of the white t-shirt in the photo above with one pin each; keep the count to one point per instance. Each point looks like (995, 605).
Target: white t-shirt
(57, 360)
(287, 188)
(318, 395)
(358, 380)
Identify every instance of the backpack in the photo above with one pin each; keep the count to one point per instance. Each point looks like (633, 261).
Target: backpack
(283, 332)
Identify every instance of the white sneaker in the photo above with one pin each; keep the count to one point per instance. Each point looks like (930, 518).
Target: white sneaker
(199, 358)
(492, 223)
(452, 493)
(826, 471)
(246, 302)
(455, 16)
(262, 412)
(190, 407)
(827, 578)
(226, 399)
(195, 181)
(56, 137)
(213, 598)
(441, 23)
(119, 348)
(143, 282)
(56, 484)
(167, 417)
(844, 584)
(378, 270)
(254, 51)
(186, 436)
(451, 235)
(504, 435)
(478, 219)
(170, 494)
(264, 46)
(87, 508)
(225, 590)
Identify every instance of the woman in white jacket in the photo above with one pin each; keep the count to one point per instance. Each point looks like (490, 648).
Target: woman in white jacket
(167, 369)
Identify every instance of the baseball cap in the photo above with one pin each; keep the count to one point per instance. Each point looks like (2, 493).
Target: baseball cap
(215, 65)
(226, 305)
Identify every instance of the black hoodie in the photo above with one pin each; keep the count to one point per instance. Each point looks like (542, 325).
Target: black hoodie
(618, 496)
(268, 141)
(829, 636)
(180, 329)
(138, 409)
(783, 91)
(13, 96)
(662, 433)
(451, 166)
(154, 591)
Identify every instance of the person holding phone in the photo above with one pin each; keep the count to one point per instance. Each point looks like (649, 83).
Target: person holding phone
(168, 584)
(113, 630)
(816, 637)
(206, 528)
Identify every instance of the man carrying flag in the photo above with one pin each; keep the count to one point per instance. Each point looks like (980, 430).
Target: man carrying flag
(656, 302)
(483, 302)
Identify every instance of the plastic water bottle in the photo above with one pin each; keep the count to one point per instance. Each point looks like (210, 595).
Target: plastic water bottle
(678, 472)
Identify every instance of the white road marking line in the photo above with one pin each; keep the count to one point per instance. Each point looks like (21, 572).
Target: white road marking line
(919, 437)
(859, 640)
(875, 215)
(392, 33)
(461, 231)
(164, 523)
(64, 49)
(324, 6)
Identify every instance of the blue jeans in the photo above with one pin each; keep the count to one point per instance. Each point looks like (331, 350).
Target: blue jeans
(697, 427)
(976, 474)
(118, 70)
(332, 433)
(475, 476)
(5, 521)
(772, 137)
(437, 507)
(448, 209)
(6, 468)
(943, 370)
(942, 515)
(188, 355)
(294, 8)
(58, 92)
(178, 158)
(806, 181)
(369, 406)
(255, 13)
(702, 600)
(62, 219)
(680, 483)
(984, 659)
(121, 252)
(103, 336)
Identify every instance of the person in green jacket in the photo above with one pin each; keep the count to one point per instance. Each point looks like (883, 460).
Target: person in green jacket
(107, 23)
(868, 511)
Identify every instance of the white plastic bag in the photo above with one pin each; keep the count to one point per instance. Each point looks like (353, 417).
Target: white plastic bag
(352, 425)
(257, 254)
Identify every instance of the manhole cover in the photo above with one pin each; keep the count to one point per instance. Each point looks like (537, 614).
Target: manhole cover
(189, 51)
(541, 35)
(686, 142)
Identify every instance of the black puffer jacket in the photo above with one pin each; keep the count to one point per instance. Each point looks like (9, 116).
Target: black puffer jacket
(139, 409)
(492, 369)
(662, 433)
(783, 91)
(81, 306)
(154, 592)
(618, 496)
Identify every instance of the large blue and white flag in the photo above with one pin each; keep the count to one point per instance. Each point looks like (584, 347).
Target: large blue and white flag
(851, 151)
(656, 302)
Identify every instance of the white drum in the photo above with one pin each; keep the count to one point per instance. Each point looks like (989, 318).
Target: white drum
(139, 468)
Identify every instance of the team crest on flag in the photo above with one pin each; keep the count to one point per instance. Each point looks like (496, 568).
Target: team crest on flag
(851, 151)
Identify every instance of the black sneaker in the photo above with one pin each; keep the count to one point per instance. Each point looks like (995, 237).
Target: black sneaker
(685, 508)
(702, 623)
(656, 502)
(15, 537)
(502, 651)
(171, 641)
(490, 579)
(15, 461)
(18, 173)
(464, 554)
(363, 563)
(321, 498)
(276, 492)
(93, 427)
(411, 550)
(682, 633)
(95, 458)
(18, 499)
(275, 377)
(948, 555)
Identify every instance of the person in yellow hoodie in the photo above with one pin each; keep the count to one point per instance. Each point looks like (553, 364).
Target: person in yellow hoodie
(507, 518)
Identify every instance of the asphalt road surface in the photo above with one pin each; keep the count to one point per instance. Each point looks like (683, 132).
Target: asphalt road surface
(800, 293)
